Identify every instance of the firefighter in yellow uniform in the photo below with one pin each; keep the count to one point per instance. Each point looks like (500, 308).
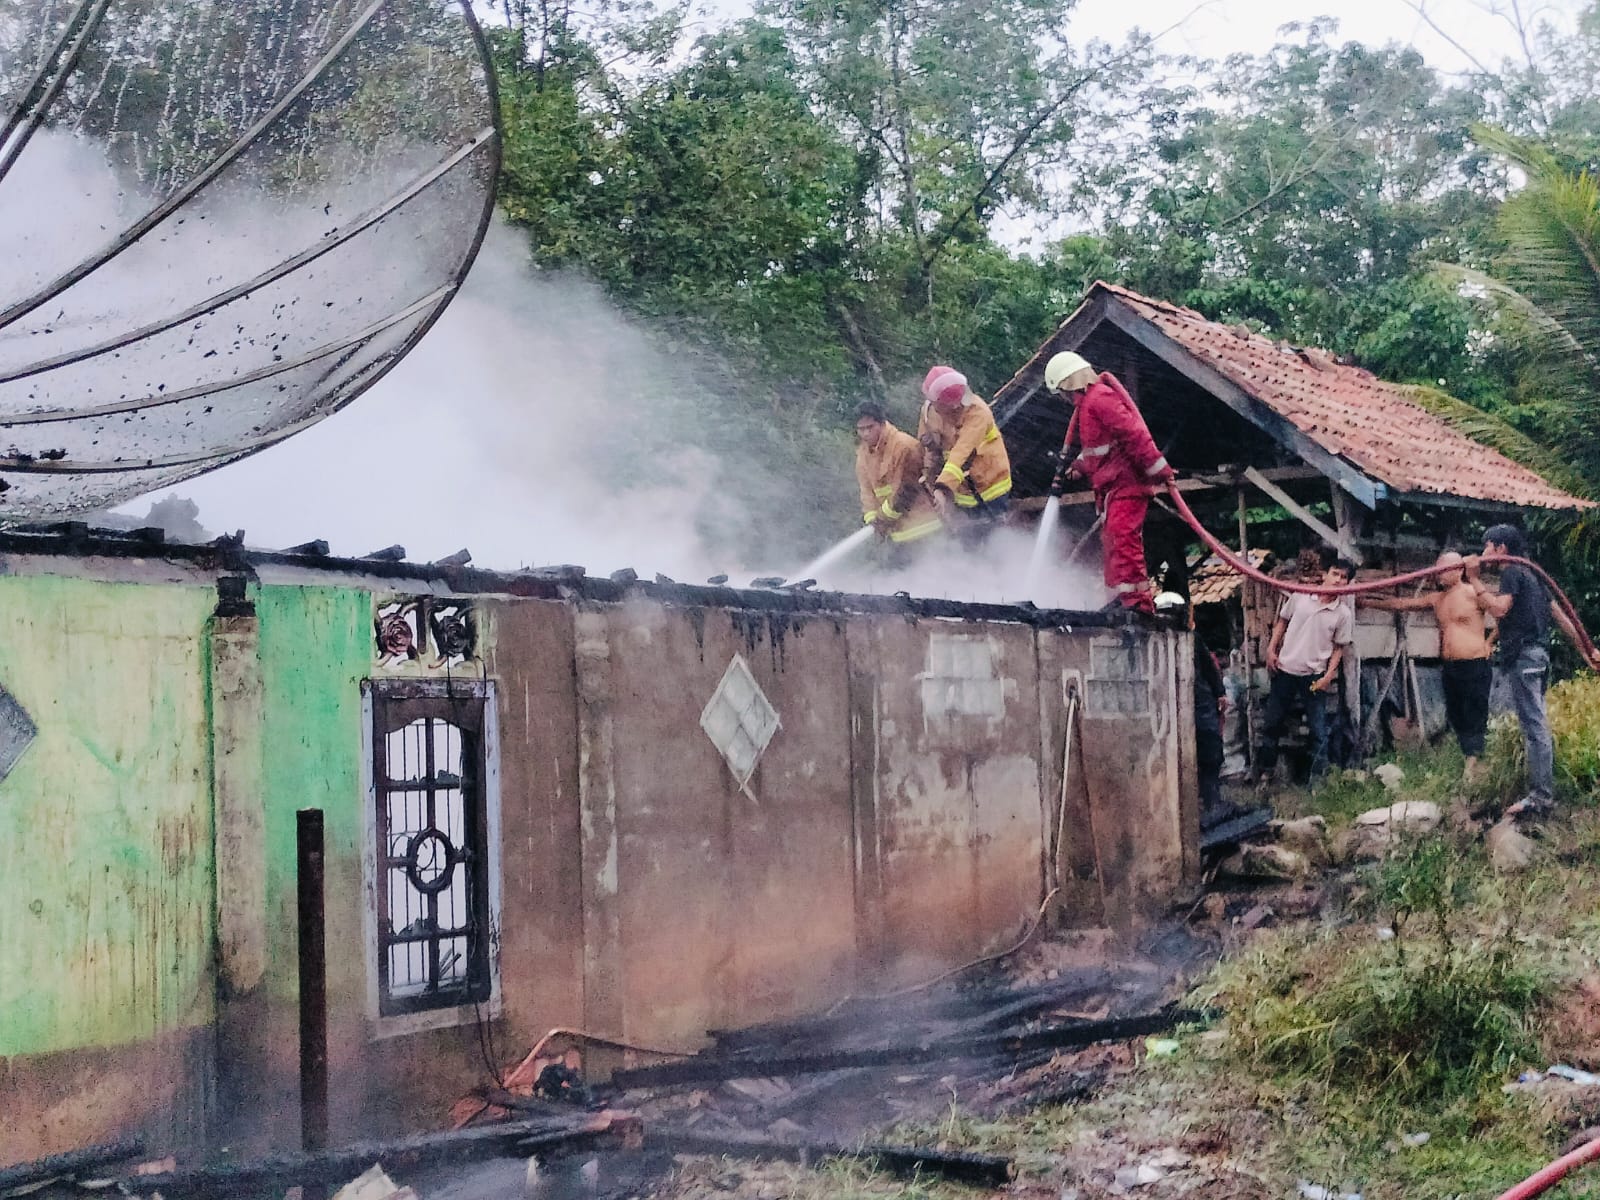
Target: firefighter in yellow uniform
(968, 467)
(894, 501)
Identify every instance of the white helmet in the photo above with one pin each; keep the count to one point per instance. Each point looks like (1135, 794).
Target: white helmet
(1063, 367)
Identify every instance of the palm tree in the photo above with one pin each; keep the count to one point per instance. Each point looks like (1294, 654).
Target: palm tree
(1543, 288)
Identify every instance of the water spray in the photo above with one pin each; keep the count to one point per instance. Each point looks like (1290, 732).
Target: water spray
(1049, 522)
(837, 553)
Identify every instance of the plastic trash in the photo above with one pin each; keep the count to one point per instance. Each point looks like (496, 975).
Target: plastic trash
(1417, 1139)
(1315, 1191)
(1160, 1047)
(1562, 1071)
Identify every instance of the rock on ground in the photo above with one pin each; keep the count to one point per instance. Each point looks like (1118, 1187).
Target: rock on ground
(1509, 850)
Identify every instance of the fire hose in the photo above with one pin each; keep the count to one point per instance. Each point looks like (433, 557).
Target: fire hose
(1545, 1179)
(1585, 645)
(1542, 1181)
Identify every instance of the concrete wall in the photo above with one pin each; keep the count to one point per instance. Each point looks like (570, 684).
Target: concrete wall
(901, 820)
(908, 814)
(106, 913)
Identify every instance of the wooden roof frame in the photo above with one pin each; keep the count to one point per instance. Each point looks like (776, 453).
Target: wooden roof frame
(1103, 305)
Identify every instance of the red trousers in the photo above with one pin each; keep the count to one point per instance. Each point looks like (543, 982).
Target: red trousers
(1122, 541)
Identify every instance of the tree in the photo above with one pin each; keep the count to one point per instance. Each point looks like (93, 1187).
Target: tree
(1543, 291)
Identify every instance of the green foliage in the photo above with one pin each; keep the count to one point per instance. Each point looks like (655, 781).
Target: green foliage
(816, 193)
(1573, 707)
(1416, 1020)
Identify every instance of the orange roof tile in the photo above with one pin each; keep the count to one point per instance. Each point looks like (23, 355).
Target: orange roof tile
(1373, 425)
(1214, 581)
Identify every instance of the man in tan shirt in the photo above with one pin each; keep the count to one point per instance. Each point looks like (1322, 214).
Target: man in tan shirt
(1304, 655)
(1464, 647)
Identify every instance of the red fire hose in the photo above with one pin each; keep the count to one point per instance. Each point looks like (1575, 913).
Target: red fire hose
(1542, 1181)
(1585, 644)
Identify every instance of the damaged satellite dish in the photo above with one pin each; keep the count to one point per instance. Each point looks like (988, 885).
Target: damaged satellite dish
(220, 222)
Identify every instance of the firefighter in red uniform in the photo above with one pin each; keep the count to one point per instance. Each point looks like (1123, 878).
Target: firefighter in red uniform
(1122, 463)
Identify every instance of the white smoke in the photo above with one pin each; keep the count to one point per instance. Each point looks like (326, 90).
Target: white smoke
(996, 573)
(538, 425)
(534, 424)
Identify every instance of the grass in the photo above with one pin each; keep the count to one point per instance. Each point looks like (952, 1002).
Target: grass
(1410, 1023)
(1573, 707)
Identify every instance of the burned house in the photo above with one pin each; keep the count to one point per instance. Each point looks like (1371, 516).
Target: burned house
(1280, 447)
(640, 810)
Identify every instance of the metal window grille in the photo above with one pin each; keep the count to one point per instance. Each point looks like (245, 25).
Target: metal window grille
(429, 766)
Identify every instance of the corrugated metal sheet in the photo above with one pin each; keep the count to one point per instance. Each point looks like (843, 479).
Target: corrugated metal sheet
(1372, 424)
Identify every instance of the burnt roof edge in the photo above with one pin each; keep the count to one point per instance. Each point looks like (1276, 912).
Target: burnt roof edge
(226, 558)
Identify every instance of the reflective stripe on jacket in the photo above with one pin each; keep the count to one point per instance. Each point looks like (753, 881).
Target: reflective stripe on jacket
(968, 433)
(890, 480)
(1118, 454)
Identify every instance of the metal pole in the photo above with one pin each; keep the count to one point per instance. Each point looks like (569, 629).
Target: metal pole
(313, 982)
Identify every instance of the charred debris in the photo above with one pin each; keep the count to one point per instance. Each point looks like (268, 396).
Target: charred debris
(807, 1091)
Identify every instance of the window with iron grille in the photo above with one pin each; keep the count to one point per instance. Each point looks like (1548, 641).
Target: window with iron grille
(429, 769)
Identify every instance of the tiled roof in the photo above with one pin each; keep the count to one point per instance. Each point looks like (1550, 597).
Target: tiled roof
(1373, 425)
(1215, 582)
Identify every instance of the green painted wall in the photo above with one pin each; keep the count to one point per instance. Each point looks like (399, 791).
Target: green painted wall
(316, 647)
(106, 893)
(107, 897)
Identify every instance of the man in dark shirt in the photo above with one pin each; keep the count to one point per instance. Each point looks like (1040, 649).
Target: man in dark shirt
(1524, 611)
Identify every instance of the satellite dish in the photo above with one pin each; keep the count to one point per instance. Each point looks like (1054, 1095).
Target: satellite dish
(220, 222)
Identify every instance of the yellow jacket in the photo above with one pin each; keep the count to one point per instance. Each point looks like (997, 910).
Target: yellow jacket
(968, 433)
(891, 487)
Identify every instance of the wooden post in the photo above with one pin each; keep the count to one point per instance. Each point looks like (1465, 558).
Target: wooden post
(1249, 716)
(1351, 520)
(313, 982)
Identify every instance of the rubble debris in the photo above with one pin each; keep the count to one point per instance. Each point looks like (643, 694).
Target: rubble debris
(1315, 1191)
(1079, 1088)
(330, 1166)
(1510, 851)
(979, 1170)
(1257, 917)
(1404, 816)
(1265, 862)
(373, 1184)
(954, 1010)
(1391, 775)
(1360, 843)
(1307, 836)
(709, 1068)
(1236, 829)
(68, 1164)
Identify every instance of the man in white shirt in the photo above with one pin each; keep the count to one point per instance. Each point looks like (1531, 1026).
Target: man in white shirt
(1307, 648)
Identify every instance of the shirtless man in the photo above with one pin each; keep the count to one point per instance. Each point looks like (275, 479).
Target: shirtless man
(1464, 646)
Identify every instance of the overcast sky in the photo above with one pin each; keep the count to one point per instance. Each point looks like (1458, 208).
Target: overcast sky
(1216, 28)
(332, 482)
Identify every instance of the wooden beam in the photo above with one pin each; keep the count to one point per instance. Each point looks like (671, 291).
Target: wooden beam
(1247, 406)
(1012, 397)
(1195, 484)
(1328, 534)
